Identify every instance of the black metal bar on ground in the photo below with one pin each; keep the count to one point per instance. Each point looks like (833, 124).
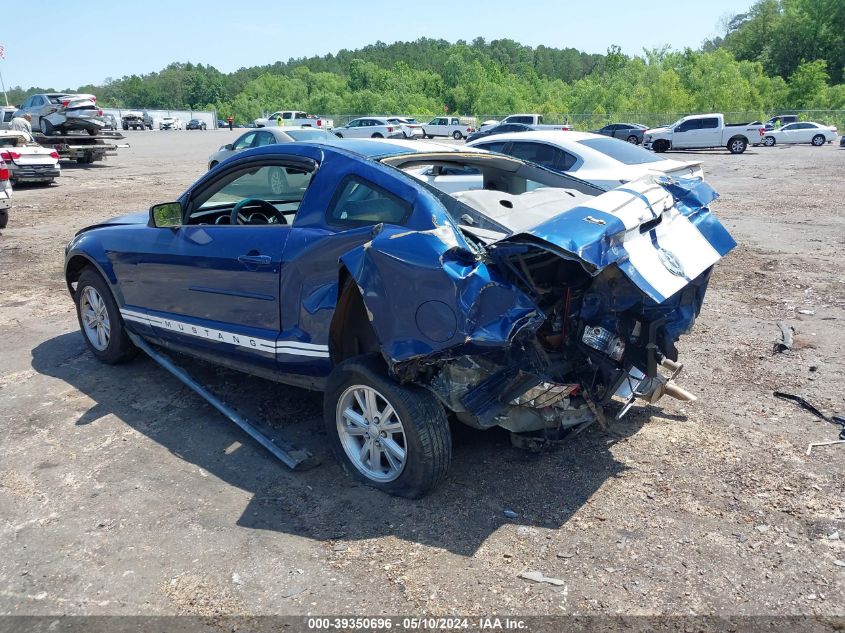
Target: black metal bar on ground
(292, 458)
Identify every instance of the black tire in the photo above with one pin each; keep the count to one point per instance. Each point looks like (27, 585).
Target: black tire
(338, 134)
(818, 140)
(377, 135)
(424, 135)
(737, 145)
(46, 127)
(84, 160)
(457, 135)
(428, 443)
(4, 218)
(119, 348)
(633, 140)
(660, 146)
(769, 141)
(277, 180)
(125, 126)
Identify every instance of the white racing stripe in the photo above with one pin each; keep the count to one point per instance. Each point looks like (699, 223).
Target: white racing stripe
(293, 348)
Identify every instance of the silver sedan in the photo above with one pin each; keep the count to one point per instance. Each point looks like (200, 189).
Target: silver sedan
(267, 136)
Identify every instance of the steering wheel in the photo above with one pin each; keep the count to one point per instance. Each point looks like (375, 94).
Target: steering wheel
(257, 202)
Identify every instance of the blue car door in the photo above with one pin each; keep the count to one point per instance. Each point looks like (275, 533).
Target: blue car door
(210, 286)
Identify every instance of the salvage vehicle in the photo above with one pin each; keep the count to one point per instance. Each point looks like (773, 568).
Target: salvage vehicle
(528, 305)
(136, 120)
(411, 128)
(369, 127)
(454, 126)
(60, 113)
(84, 149)
(701, 131)
(170, 123)
(196, 124)
(503, 128)
(5, 194)
(294, 117)
(269, 136)
(26, 160)
(803, 132)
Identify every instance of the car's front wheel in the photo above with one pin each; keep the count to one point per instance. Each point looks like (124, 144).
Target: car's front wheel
(100, 320)
(660, 146)
(392, 437)
(769, 141)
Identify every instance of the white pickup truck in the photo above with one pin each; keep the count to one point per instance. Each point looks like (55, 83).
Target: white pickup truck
(703, 130)
(295, 117)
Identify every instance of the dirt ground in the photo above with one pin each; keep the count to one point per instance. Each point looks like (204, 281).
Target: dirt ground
(121, 492)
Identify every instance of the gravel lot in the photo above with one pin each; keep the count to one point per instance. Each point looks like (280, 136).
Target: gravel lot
(122, 493)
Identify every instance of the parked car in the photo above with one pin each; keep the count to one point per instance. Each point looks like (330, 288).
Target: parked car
(411, 128)
(136, 120)
(529, 305)
(369, 127)
(631, 132)
(604, 162)
(295, 118)
(780, 120)
(268, 136)
(195, 124)
(61, 113)
(456, 127)
(5, 194)
(802, 132)
(842, 141)
(503, 128)
(170, 123)
(26, 160)
(7, 113)
(703, 130)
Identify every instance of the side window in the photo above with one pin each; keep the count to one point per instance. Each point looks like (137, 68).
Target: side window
(358, 203)
(282, 186)
(692, 124)
(264, 138)
(286, 115)
(498, 146)
(244, 141)
(709, 124)
(791, 126)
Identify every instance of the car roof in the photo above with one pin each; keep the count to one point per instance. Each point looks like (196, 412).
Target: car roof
(374, 149)
(561, 137)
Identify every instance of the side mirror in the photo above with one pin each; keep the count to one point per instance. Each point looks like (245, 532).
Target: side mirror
(229, 146)
(168, 214)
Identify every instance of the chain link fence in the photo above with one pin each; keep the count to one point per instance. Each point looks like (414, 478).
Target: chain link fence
(592, 121)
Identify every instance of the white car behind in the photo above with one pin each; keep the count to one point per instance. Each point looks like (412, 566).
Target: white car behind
(369, 127)
(27, 160)
(411, 128)
(170, 123)
(600, 160)
(801, 132)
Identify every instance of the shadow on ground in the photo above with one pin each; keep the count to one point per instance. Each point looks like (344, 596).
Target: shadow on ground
(487, 475)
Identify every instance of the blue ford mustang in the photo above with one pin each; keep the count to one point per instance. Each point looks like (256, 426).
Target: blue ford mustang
(529, 301)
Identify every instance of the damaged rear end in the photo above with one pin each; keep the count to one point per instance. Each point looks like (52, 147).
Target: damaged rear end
(614, 283)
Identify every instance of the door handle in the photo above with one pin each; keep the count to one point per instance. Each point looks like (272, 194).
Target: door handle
(255, 260)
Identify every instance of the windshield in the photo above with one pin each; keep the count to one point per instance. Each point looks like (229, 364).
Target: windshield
(624, 152)
(309, 135)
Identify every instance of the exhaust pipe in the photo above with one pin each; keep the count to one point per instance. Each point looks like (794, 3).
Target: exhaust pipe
(669, 388)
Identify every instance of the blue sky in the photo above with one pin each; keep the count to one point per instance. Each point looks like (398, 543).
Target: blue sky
(228, 35)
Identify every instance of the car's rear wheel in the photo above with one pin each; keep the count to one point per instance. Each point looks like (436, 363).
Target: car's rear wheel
(633, 140)
(818, 140)
(377, 135)
(4, 218)
(100, 320)
(392, 437)
(660, 146)
(737, 145)
(278, 180)
(45, 126)
(457, 135)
